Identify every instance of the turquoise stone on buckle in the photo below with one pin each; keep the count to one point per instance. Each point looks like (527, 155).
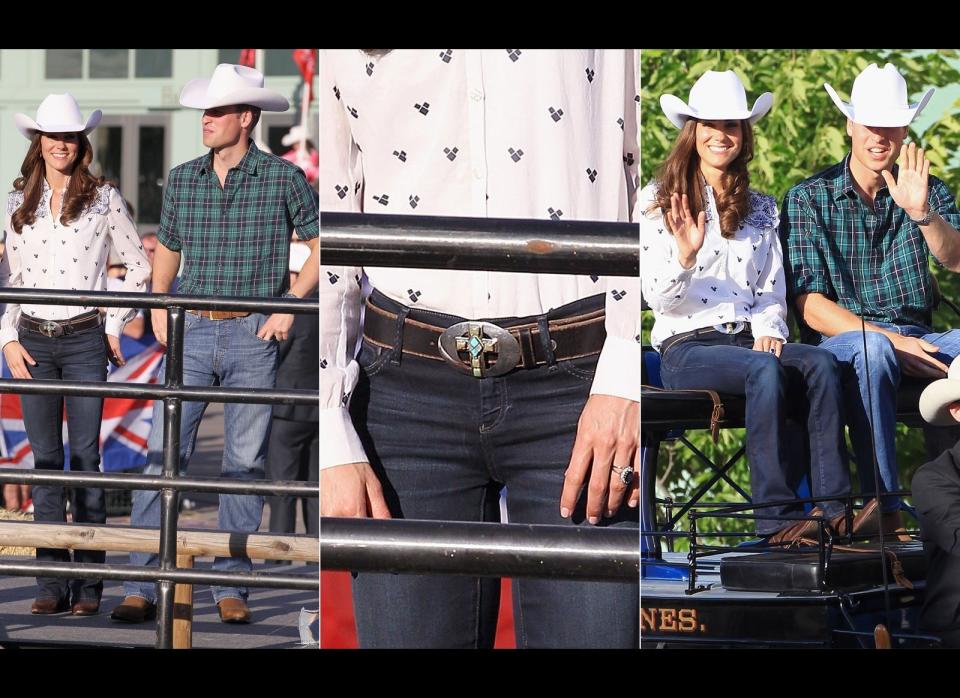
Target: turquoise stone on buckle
(478, 346)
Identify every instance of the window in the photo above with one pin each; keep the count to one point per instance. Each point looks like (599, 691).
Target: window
(109, 62)
(153, 62)
(277, 61)
(64, 63)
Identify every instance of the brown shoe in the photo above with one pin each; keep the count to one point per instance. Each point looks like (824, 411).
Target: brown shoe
(134, 609)
(867, 520)
(794, 532)
(85, 608)
(891, 523)
(47, 607)
(233, 611)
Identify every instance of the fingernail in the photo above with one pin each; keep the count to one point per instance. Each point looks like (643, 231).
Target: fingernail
(609, 513)
(632, 505)
(564, 512)
(594, 520)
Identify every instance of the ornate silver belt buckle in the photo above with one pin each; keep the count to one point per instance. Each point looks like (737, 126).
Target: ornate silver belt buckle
(481, 349)
(49, 328)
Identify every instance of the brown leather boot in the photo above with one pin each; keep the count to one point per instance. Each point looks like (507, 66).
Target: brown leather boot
(134, 609)
(233, 611)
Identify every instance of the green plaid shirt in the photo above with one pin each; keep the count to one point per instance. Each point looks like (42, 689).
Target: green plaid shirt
(235, 240)
(869, 260)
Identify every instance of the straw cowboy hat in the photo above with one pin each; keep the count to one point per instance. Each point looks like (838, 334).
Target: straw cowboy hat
(232, 84)
(879, 98)
(57, 114)
(939, 395)
(716, 96)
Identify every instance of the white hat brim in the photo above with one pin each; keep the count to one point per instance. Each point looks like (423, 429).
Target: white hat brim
(678, 111)
(194, 95)
(937, 397)
(881, 118)
(27, 126)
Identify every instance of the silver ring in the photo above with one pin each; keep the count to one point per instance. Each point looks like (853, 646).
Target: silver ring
(773, 350)
(625, 473)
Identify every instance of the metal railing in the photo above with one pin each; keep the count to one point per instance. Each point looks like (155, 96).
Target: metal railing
(488, 244)
(173, 393)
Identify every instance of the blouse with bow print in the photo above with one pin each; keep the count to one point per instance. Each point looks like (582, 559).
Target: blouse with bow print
(51, 254)
(736, 279)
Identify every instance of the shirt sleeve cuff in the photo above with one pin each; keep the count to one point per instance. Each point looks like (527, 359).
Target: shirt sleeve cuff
(114, 326)
(341, 444)
(618, 370)
(7, 335)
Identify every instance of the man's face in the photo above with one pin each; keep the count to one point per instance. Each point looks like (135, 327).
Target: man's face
(223, 126)
(875, 148)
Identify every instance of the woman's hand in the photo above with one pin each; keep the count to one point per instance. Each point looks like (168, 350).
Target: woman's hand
(17, 359)
(688, 233)
(768, 344)
(113, 350)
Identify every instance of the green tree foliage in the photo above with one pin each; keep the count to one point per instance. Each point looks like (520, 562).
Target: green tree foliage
(803, 134)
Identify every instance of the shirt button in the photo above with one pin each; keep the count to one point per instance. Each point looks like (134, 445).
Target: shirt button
(476, 95)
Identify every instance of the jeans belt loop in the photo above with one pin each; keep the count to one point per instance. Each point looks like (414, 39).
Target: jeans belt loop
(398, 336)
(544, 326)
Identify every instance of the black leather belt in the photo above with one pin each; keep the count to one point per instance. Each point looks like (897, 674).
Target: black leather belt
(59, 328)
(704, 331)
(483, 349)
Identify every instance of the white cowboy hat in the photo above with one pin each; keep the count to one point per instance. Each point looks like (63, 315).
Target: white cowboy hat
(717, 96)
(939, 395)
(299, 253)
(232, 84)
(879, 98)
(294, 135)
(57, 114)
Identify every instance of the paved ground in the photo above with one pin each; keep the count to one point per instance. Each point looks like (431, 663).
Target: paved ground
(275, 611)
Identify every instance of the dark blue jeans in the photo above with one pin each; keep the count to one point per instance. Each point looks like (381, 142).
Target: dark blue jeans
(810, 377)
(76, 357)
(443, 445)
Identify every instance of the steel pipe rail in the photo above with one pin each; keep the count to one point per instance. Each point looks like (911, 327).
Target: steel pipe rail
(152, 574)
(484, 244)
(131, 481)
(480, 549)
(115, 299)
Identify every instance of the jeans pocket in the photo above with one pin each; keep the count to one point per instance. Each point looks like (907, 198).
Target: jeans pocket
(583, 368)
(252, 323)
(372, 358)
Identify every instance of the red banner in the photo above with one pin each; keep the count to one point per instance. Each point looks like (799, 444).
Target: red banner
(306, 60)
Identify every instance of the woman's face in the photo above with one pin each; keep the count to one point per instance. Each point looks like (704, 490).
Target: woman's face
(59, 150)
(719, 143)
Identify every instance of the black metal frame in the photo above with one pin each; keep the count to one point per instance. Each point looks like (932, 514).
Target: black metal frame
(173, 392)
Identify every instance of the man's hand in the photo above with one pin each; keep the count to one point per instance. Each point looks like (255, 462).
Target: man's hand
(113, 351)
(277, 325)
(688, 233)
(914, 357)
(17, 358)
(352, 490)
(909, 190)
(608, 435)
(158, 318)
(768, 344)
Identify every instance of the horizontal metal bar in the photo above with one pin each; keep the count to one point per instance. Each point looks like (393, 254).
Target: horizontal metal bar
(152, 391)
(132, 573)
(480, 549)
(485, 244)
(131, 481)
(113, 299)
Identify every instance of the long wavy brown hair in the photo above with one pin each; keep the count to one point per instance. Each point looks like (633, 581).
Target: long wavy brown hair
(680, 174)
(80, 192)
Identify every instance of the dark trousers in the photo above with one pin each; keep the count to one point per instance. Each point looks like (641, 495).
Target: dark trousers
(79, 356)
(809, 376)
(443, 445)
(293, 454)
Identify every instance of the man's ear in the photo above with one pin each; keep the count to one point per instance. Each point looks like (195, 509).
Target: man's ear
(246, 118)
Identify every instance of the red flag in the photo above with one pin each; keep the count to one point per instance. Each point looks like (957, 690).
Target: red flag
(248, 57)
(306, 60)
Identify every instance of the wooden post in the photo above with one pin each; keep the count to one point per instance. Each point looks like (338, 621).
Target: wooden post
(183, 608)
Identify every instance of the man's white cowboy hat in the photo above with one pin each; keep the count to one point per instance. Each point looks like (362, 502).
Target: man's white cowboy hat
(294, 135)
(939, 395)
(716, 96)
(232, 84)
(879, 98)
(57, 114)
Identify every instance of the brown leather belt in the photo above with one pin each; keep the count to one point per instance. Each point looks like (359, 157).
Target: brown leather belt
(483, 349)
(60, 328)
(218, 314)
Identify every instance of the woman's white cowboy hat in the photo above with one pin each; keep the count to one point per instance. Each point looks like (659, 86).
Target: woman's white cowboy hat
(939, 395)
(232, 84)
(716, 96)
(57, 114)
(879, 98)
